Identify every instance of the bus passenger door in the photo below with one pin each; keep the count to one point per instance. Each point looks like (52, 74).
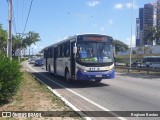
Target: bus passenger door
(72, 60)
(55, 59)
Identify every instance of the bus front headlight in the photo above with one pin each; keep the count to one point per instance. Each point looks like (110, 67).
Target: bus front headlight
(109, 68)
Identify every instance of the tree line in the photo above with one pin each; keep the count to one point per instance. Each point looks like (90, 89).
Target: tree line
(19, 41)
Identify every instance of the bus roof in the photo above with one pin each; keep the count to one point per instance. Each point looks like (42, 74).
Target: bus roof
(70, 37)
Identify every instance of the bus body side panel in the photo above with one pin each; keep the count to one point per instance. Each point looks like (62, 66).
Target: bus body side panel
(61, 64)
(66, 64)
(55, 60)
(49, 64)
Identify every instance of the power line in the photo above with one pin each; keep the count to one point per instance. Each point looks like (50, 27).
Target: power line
(17, 14)
(22, 12)
(28, 16)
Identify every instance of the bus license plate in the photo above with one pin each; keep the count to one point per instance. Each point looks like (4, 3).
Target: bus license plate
(98, 75)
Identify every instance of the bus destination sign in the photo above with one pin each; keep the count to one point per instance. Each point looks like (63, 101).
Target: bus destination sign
(95, 38)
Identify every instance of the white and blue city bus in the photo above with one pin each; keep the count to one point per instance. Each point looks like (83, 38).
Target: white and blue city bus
(151, 61)
(82, 57)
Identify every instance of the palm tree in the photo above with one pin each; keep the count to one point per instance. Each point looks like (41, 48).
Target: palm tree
(31, 38)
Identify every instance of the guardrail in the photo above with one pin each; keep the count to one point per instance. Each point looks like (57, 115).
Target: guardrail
(139, 69)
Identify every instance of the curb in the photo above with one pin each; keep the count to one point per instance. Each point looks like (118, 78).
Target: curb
(62, 98)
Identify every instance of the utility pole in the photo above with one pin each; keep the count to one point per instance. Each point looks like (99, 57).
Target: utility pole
(130, 55)
(9, 43)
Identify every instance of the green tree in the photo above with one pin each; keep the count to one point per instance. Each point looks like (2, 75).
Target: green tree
(154, 34)
(154, 31)
(16, 43)
(31, 38)
(134, 52)
(140, 50)
(10, 77)
(3, 39)
(120, 46)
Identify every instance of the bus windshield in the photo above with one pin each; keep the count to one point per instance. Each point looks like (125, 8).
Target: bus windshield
(94, 52)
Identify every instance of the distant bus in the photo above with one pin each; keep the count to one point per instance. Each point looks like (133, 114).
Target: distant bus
(82, 57)
(151, 61)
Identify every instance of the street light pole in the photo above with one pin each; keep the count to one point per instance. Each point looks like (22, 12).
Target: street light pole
(130, 60)
(9, 42)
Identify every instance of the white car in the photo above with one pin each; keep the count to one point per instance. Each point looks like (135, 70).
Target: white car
(32, 60)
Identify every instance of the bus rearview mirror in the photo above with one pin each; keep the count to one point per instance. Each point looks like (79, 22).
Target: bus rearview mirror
(75, 49)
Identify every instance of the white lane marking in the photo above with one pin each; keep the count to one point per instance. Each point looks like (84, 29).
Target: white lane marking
(66, 101)
(63, 99)
(90, 101)
(69, 104)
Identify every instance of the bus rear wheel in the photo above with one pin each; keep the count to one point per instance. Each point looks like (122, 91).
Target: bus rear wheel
(49, 69)
(67, 76)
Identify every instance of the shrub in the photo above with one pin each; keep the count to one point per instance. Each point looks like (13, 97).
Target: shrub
(118, 60)
(10, 77)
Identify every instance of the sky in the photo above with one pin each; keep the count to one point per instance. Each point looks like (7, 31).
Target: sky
(56, 20)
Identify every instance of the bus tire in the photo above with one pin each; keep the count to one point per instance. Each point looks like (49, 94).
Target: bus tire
(67, 76)
(98, 81)
(50, 70)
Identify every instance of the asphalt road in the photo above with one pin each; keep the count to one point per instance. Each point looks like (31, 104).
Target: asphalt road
(124, 93)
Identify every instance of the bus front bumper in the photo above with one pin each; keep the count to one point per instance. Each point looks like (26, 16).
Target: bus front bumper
(95, 75)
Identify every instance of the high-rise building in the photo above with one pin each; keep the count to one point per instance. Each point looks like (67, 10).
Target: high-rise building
(158, 18)
(141, 42)
(146, 18)
(137, 32)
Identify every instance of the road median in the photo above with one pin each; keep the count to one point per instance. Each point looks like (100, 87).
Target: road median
(35, 96)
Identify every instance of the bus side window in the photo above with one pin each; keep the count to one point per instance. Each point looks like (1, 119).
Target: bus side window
(52, 52)
(63, 50)
(67, 49)
(48, 52)
(59, 50)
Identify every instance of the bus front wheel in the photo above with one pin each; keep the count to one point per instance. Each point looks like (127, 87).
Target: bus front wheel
(98, 81)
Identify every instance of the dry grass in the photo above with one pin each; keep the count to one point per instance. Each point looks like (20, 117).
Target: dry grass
(32, 96)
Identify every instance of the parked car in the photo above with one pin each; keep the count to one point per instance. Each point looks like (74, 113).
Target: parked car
(39, 62)
(32, 60)
(136, 64)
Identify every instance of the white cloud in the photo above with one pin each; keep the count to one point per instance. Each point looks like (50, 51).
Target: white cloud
(127, 5)
(128, 40)
(110, 22)
(118, 6)
(102, 29)
(92, 3)
(130, 4)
